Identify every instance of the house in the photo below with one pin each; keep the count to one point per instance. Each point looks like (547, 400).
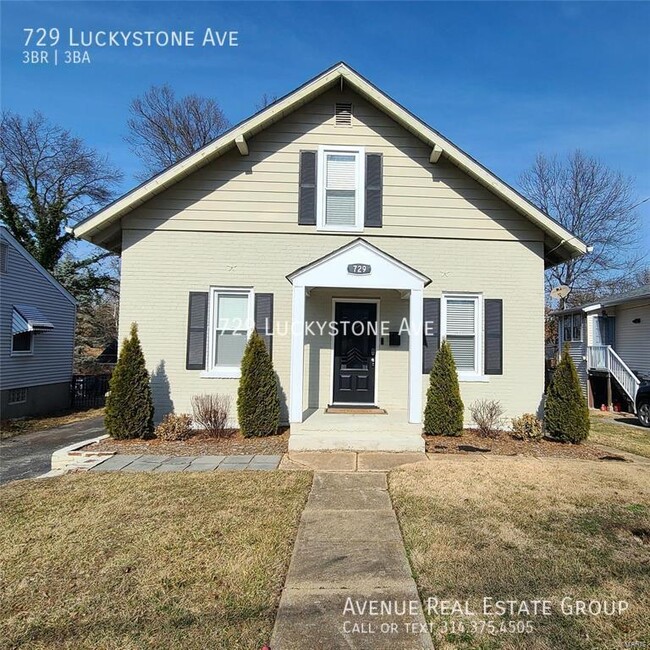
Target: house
(37, 321)
(333, 206)
(609, 342)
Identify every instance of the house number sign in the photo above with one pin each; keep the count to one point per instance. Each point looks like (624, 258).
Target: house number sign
(359, 269)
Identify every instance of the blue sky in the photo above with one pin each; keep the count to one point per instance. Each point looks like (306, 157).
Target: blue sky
(502, 80)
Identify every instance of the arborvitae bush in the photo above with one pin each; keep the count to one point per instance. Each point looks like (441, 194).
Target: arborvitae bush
(258, 404)
(566, 415)
(443, 414)
(129, 407)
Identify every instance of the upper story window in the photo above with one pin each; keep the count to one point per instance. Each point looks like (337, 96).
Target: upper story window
(340, 184)
(572, 327)
(461, 326)
(231, 322)
(4, 257)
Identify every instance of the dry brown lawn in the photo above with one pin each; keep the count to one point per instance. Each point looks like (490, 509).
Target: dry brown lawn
(518, 528)
(611, 430)
(122, 561)
(11, 428)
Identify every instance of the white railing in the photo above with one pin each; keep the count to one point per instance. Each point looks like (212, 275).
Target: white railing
(603, 357)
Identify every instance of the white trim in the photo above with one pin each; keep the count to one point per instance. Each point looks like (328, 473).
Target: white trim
(225, 372)
(338, 73)
(377, 302)
(416, 319)
(360, 195)
(297, 354)
(476, 375)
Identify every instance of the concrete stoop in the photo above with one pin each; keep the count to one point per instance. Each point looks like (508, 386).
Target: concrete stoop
(349, 554)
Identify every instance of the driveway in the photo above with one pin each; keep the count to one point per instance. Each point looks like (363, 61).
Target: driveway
(29, 455)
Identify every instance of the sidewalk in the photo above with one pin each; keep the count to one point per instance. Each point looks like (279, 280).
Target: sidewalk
(152, 463)
(348, 552)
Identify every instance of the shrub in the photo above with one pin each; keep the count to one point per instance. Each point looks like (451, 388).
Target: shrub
(443, 414)
(527, 427)
(212, 413)
(129, 407)
(566, 415)
(258, 404)
(488, 416)
(175, 427)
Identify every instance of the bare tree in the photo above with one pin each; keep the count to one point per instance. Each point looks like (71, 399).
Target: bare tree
(597, 205)
(265, 100)
(49, 180)
(163, 129)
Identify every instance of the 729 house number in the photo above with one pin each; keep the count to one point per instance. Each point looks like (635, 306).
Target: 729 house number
(359, 269)
(54, 57)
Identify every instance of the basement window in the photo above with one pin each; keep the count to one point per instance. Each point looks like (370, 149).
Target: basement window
(17, 396)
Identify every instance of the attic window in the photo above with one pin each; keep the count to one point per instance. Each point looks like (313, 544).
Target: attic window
(343, 114)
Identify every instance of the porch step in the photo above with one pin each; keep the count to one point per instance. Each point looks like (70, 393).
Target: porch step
(355, 410)
(356, 432)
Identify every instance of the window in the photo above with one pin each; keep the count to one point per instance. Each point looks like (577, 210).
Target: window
(4, 257)
(572, 327)
(340, 185)
(17, 396)
(231, 322)
(461, 326)
(22, 343)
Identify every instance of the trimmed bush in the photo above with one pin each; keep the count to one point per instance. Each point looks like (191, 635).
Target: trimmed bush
(488, 416)
(129, 407)
(212, 413)
(258, 404)
(443, 414)
(566, 415)
(527, 427)
(175, 427)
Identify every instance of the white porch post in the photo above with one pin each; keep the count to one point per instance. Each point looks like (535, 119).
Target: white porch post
(297, 353)
(415, 355)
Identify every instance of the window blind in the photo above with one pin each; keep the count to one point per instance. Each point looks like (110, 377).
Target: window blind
(461, 334)
(340, 186)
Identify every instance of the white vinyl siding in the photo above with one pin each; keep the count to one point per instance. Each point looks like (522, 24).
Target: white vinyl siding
(340, 189)
(462, 327)
(231, 319)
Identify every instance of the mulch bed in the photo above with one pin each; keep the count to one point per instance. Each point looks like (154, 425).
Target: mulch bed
(471, 442)
(198, 445)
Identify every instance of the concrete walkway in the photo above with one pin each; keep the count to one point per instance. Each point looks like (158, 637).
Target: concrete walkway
(144, 463)
(349, 555)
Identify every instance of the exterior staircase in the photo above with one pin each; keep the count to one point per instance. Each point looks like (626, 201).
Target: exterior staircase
(603, 358)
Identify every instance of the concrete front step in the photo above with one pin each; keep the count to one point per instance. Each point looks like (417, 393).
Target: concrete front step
(375, 440)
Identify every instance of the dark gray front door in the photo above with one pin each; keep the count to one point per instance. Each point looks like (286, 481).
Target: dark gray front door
(354, 352)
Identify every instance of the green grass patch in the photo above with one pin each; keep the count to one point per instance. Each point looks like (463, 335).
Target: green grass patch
(626, 437)
(121, 561)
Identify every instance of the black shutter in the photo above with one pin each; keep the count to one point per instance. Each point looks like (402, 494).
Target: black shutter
(494, 337)
(264, 318)
(374, 200)
(430, 333)
(307, 195)
(197, 330)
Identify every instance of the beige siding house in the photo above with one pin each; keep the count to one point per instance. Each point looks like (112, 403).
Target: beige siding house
(335, 205)
(609, 341)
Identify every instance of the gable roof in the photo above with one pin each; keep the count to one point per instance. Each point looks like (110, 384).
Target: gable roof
(560, 245)
(16, 245)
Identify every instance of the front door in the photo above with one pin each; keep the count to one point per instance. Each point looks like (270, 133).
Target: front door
(354, 352)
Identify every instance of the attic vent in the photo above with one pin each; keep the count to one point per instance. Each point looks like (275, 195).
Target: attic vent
(343, 114)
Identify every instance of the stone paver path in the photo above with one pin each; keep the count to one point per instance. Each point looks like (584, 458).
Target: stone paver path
(348, 553)
(144, 463)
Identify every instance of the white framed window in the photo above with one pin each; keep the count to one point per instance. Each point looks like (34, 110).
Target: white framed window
(230, 323)
(17, 396)
(340, 183)
(461, 325)
(22, 343)
(572, 327)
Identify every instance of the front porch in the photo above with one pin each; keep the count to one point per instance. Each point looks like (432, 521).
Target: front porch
(390, 431)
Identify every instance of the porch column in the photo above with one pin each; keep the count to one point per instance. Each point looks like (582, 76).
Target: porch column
(416, 301)
(297, 353)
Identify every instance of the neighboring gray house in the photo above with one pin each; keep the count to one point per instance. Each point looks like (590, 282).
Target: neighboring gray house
(609, 341)
(37, 323)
